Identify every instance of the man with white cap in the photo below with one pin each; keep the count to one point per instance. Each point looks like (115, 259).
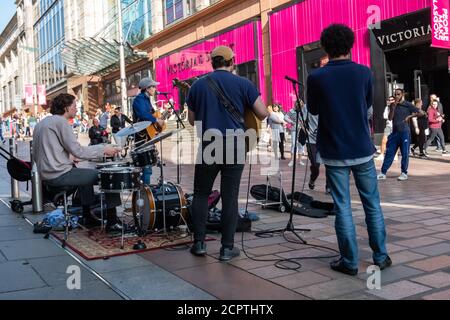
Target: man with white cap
(143, 111)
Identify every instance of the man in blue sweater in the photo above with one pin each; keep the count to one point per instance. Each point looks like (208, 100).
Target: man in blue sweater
(143, 110)
(341, 93)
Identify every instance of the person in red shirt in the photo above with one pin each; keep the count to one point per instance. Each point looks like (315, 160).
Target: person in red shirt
(435, 121)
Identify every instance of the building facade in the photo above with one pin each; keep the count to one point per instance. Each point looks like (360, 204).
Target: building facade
(10, 80)
(286, 42)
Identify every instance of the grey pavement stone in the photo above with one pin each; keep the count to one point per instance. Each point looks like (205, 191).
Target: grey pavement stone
(332, 289)
(19, 232)
(10, 220)
(152, 282)
(14, 276)
(117, 263)
(435, 280)
(53, 270)
(95, 290)
(399, 290)
(29, 249)
(434, 250)
(394, 273)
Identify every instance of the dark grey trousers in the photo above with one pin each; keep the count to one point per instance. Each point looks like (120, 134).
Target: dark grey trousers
(84, 179)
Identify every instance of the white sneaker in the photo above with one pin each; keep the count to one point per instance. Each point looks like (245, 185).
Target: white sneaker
(302, 163)
(380, 157)
(403, 177)
(396, 158)
(291, 163)
(381, 177)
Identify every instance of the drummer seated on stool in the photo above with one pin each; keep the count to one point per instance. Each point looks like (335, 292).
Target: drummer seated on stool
(56, 152)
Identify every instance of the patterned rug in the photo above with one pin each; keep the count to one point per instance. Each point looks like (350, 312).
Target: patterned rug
(96, 244)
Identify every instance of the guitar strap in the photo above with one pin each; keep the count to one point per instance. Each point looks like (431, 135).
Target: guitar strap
(233, 111)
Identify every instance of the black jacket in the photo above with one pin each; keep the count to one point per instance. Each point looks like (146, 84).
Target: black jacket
(97, 136)
(119, 123)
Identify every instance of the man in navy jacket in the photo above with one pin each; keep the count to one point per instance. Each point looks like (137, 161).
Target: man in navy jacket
(341, 93)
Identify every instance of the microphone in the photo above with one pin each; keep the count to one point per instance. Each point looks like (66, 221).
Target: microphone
(163, 93)
(292, 80)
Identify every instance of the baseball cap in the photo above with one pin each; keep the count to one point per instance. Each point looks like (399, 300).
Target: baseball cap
(223, 51)
(147, 82)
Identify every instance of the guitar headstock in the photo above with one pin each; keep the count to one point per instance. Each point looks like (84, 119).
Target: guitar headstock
(181, 84)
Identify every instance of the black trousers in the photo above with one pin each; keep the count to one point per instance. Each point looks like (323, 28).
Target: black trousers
(204, 178)
(420, 140)
(281, 143)
(314, 167)
(84, 180)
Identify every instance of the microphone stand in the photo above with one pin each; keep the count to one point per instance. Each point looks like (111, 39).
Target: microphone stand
(290, 225)
(179, 121)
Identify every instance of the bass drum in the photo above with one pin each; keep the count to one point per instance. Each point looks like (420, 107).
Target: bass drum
(147, 206)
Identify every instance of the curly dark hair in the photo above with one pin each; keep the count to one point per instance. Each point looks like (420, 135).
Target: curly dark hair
(337, 40)
(60, 103)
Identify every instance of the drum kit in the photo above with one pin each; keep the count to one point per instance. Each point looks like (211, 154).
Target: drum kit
(156, 208)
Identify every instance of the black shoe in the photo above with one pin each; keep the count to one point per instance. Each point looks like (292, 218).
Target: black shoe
(227, 254)
(117, 227)
(385, 264)
(413, 152)
(198, 248)
(423, 155)
(311, 185)
(89, 221)
(338, 266)
(40, 227)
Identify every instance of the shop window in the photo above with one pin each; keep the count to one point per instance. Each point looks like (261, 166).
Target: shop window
(178, 9)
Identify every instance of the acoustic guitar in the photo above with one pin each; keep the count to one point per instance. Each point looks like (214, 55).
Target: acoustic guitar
(251, 121)
(154, 129)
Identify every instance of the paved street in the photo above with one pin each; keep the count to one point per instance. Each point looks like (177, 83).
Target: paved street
(418, 226)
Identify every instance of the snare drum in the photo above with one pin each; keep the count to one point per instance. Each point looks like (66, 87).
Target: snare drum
(118, 179)
(147, 205)
(115, 164)
(148, 156)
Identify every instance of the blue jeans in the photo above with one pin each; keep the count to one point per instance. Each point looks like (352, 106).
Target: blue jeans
(397, 140)
(338, 179)
(146, 174)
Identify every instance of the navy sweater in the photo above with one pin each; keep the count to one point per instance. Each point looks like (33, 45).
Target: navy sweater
(341, 93)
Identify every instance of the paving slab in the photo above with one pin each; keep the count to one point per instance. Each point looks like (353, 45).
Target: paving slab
(29, 249)
(18, 275)
(94, 290)
(153, 283)
(53, 270)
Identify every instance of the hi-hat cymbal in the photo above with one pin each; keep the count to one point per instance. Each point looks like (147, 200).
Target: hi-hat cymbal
(133, 129)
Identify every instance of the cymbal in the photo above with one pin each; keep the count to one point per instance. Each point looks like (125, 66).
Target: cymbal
(158, 138)
(133, 129)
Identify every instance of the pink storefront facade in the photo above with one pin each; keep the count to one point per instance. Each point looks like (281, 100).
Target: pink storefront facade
(290, 41)
(194, 61)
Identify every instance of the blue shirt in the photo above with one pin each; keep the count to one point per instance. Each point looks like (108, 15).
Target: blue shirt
(341, 93)
(207, 107)
(401, 112)
(143, 109)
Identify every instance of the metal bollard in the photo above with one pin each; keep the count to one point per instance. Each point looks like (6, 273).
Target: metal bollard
(15, 193)
(36, 190)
